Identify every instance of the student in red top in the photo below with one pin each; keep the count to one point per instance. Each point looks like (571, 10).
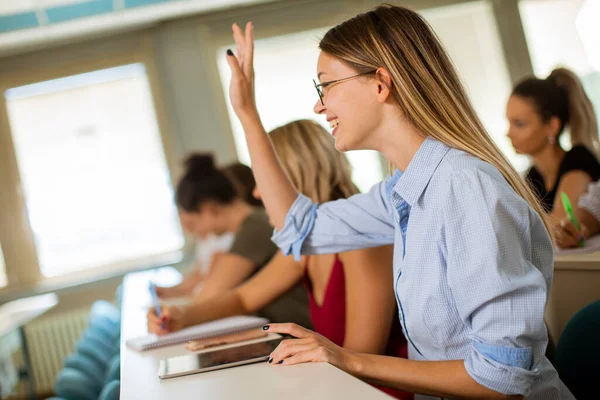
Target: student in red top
(351, 294)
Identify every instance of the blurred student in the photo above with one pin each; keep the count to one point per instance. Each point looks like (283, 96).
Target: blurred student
(350, 293)
(539, 111)
(209, 204)
(588, 216)
(206, 248)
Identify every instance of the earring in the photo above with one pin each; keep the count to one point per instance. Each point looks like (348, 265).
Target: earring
(551, 140)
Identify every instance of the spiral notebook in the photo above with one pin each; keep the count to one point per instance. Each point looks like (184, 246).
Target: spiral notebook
(208, 330)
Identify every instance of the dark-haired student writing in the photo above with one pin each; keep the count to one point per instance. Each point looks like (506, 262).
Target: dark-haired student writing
(209, 203)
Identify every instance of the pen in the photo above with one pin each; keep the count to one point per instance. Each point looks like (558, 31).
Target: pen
(155, 301)
(569, 210)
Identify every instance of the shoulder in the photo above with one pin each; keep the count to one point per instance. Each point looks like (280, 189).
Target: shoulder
(476, 187)
(580, 158)
(258, 218)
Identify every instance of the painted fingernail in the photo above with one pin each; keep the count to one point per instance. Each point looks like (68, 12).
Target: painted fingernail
(266, 328)
(270, 360)
(229, 52)
(280, 362)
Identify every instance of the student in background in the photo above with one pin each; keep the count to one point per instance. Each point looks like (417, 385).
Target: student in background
(243, 180)
(472, 254)
(538, 111)
(350, 293)
(210, 205)
(588, 215)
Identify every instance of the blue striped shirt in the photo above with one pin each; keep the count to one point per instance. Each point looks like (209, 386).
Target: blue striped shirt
(472, 264)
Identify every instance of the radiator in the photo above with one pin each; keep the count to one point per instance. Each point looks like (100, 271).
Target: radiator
(50, 339)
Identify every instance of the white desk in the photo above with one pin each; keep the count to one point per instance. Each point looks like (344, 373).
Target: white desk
(15, 314)
(139, 378)
(576, 284)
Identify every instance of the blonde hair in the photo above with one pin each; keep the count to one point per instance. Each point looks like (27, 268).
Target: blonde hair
(425, 83)
(308, 155)
(562, 95)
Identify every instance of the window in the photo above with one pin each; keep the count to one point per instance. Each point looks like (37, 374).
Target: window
(470, 36)
(93, 171)
(565, 33)
(285, 92)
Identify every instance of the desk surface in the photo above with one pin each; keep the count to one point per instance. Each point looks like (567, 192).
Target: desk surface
(139, 379)
(17, 313)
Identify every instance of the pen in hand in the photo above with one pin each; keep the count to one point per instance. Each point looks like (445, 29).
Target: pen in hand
(569, 210)
(156, 302)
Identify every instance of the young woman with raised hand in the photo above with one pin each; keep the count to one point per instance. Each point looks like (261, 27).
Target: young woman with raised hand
(472, 255)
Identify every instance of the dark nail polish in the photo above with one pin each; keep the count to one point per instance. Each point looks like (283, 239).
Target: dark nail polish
(270, 360)
(280, 362)
(229, 52)
(266, 328)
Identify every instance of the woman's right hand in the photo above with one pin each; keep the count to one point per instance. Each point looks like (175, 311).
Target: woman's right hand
(241, 88)
(567, 236)
(171, 320)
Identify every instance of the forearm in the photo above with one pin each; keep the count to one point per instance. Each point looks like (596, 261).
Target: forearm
(277, 192)
(225, 305)
(435, 378)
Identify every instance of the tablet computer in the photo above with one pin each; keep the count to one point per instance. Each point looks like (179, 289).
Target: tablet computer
(217, 359)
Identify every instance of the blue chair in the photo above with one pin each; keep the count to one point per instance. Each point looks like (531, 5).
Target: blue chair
(113, 372)
(97, 336)
(74, 384)
(111, 391)
(577, 357)
(107, 313)
(96, 353)
(86, 365)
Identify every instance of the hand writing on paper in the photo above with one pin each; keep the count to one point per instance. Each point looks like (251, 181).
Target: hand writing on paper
(172, 318)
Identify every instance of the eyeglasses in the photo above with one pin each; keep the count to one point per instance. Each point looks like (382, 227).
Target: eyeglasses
(320, 86)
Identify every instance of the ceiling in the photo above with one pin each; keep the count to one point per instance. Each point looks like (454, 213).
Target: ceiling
(25, 23)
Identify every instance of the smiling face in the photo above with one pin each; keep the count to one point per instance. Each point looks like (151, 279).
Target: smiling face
(352, 107)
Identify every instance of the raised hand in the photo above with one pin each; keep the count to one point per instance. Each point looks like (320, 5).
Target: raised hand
(241, 88)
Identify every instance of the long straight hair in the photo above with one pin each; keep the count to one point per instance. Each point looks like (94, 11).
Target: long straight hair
(425, 83)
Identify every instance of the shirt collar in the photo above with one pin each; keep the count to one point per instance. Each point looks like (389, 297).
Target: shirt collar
(411, 183)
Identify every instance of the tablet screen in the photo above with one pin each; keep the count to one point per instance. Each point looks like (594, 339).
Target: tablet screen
(218, 359)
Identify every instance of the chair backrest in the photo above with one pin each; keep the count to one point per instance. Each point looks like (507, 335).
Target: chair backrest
(577, 357)
(111, 391)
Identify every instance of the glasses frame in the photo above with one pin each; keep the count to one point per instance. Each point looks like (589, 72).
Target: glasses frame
(319, 86)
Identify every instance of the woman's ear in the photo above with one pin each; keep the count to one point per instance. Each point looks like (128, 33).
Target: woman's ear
(384, 84)
(554, 126)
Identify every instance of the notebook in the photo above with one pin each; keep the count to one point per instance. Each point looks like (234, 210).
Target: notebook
(212, 329)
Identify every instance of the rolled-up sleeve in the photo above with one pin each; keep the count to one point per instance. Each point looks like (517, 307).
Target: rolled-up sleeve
(499, 266)
(591, 200)
(363, 220)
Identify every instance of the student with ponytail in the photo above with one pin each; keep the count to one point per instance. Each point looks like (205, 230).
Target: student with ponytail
(539, 111)
(472, 253)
